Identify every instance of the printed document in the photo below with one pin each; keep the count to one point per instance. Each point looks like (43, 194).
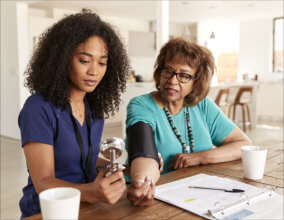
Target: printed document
(254, 203)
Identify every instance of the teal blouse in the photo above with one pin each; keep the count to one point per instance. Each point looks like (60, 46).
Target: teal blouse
(209, 125)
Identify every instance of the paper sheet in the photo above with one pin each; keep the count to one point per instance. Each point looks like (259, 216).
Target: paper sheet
(199, 201)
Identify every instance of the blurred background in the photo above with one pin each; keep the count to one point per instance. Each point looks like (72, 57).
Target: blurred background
(245, 37)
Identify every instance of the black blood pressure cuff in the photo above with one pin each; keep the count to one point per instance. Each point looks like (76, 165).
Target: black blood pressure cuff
(140, 142)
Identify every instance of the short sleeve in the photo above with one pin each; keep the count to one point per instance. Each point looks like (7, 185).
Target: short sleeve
(220, 126)
(139, 109)
(35, 122)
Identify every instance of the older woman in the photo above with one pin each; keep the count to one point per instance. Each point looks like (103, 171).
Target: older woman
(179, 120)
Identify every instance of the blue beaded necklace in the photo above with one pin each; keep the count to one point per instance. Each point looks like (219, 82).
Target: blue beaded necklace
(185, 149)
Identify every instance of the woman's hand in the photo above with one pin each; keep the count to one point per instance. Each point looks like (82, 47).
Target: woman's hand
(141, 192)
(106, 189)
(186, 160)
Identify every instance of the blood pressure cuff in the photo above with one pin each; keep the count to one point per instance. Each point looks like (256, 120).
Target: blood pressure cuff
(140, 141)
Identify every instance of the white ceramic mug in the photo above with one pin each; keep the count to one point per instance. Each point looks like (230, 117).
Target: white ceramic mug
(254, 158)
(60, 203)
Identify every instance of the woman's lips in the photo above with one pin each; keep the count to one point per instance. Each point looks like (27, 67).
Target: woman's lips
(90, 82)
(171, 91)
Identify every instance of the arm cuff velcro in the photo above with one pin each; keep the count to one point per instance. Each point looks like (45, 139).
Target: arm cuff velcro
(140, 141)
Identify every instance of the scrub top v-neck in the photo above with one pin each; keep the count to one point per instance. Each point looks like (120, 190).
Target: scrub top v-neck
(41, 121)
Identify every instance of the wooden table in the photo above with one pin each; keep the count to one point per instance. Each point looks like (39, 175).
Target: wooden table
(160, 210)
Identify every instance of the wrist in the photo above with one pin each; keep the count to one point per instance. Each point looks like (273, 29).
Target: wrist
(204, 157)
(101, 162)
(86, 193)
(140, 177)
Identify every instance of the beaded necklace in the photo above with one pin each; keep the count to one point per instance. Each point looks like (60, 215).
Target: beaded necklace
(185, 149)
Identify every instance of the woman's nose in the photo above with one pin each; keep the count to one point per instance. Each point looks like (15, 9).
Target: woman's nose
(93, 70)
(173, 79)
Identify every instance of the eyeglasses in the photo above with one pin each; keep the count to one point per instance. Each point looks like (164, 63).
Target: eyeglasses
(181, 77)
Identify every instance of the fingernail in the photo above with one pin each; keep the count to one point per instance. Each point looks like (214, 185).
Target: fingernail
(139, 182)
(148, 183)
(147, 180)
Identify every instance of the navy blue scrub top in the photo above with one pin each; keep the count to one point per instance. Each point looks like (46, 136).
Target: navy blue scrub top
(41, 121)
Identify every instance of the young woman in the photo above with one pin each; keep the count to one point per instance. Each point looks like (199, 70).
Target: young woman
(76, 75)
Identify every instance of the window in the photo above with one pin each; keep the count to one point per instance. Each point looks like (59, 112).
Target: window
(224, 44)
(278, 45)
(227, 67)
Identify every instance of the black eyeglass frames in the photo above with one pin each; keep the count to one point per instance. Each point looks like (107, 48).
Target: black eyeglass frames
(181, 77)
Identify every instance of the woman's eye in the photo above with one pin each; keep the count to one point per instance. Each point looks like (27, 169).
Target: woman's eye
(84, 61)
(184, 75)
(103, 64)
(168, 71)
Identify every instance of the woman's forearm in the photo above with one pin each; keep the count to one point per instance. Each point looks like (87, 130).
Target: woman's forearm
(101, 162)
(227, 152)
(144, 166)
(52, 182)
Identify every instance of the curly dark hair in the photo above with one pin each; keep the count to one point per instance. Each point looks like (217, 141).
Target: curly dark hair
(50, 65)
(182, 51)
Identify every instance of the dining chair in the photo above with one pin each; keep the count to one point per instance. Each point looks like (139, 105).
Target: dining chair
(243, 98)
(222, 99)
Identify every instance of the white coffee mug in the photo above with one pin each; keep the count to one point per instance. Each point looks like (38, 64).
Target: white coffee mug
(254, 158)
(60, 203)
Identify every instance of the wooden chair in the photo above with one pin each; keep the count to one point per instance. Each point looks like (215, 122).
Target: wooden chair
(244, 104)
(222, 99)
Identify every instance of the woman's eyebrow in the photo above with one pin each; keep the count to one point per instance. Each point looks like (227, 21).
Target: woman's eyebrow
(182, 70)
(86, 54)
(90, 55)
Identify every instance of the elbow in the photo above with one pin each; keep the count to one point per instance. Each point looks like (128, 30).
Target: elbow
(41, 184)
(39, 188)
(247, 142)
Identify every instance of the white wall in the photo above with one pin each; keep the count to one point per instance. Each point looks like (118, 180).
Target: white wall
(142, 65)
(23, 48)
(124, 25)
(14, 55)
(37, 25)
(255, 52)
(270, 100)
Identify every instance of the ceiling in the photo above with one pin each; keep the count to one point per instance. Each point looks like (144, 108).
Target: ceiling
(180, 11)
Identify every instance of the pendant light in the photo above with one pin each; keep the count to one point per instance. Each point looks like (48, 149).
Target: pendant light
(212, 35)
